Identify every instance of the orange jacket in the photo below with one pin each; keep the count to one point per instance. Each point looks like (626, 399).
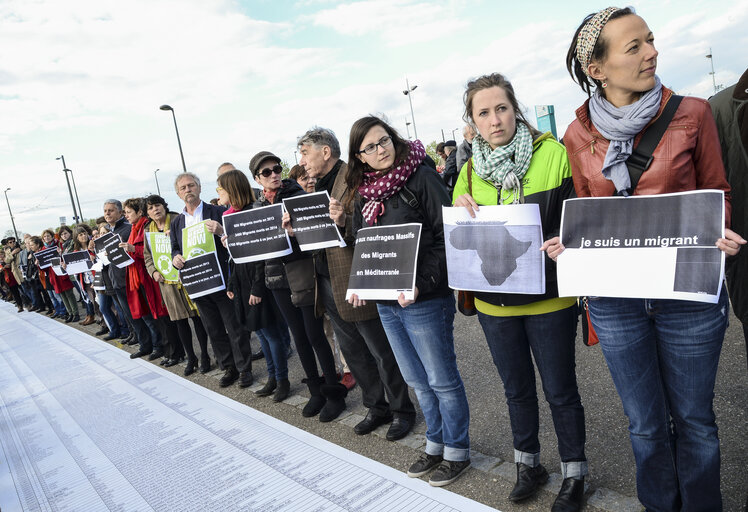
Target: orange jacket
(688, 157)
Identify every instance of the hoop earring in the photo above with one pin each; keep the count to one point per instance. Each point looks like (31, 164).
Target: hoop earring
(604, 84)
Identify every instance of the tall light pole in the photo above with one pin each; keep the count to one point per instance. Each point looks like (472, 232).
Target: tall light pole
(453, 133)
(155, 174)
(408, 90)
(714, 80)
(407, 127)
(181, 154)
(11, 214)
(295, 157)
(70, 191)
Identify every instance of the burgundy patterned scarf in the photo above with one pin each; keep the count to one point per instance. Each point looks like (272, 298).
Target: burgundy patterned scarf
(376, 187)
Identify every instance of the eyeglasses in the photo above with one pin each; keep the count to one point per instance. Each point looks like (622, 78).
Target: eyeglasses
(276, 169)
(218, 189)
(384, 142)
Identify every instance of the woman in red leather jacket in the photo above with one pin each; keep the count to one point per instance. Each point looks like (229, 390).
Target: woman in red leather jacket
(662, 354)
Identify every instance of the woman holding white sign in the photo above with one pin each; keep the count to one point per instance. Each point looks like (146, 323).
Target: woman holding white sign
(514, 163)
(254, 305)
(391, 185)
(662, 354)
(291, 281)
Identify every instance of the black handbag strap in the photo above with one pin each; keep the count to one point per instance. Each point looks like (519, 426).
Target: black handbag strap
(641, 157)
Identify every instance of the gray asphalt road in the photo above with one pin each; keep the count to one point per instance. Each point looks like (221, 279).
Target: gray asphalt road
(612, 472)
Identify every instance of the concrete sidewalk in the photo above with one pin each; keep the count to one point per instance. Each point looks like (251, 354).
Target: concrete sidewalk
(611, 485)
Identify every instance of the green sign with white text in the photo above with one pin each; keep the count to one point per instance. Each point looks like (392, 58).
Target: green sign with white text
(161, 250)
(197, 240)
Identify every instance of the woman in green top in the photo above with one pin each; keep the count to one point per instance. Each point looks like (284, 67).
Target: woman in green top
(514, 163)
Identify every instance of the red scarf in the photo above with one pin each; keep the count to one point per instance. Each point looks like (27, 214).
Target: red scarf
(377, 186)
(137, 236)
(270, 194)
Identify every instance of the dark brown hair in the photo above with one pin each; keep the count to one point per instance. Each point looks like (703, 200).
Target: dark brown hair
(81, 228)
(357, 168)
(599, 53)
(297, 171)
(237, 186)
(136, 204)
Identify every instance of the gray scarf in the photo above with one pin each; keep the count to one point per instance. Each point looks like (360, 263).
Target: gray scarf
(620, 126)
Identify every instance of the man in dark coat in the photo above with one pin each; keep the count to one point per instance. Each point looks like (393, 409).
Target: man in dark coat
(730, 108)
(450, 166)
(229, 339)
(359, 331)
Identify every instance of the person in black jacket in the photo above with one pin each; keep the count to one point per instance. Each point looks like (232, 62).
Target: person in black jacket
(229, 339)
(396, 188)
(450, 166)
(254, 304)
(295, 298)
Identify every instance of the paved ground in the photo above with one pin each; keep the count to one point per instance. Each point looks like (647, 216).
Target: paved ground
(612, 473)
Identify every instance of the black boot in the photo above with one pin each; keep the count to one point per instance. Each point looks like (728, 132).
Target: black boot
(335, 395)
(529, 480)
(76, 318)
(570, 496)
(316, 401)
(282, 391)
(68, 319)
(268, 388)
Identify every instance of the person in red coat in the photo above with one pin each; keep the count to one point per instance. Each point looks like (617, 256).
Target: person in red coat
(143, 295)
(62, 285)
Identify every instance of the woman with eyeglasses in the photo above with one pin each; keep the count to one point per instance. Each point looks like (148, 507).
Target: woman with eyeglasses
(299, 174)
(390, 184)
(291, 281)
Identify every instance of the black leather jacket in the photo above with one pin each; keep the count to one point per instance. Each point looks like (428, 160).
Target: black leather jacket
(428, 188)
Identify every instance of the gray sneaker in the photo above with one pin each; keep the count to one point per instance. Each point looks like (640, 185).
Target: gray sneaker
(447, 472)
(423, 465)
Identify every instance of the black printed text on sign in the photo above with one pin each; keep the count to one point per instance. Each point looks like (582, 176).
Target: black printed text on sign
(384, 262)
(45, 256)
(116, 255)
(256, 234)
(656, 247)
(77, 262)
(312, 225)
(201, 275)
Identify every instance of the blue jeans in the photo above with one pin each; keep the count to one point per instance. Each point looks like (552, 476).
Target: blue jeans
(663, 357)
(422, 340)
(57, 302)
(114, 324)
(549, 338)
(275, 350)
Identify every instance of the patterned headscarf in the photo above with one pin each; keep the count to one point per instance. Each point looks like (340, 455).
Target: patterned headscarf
(589, 34)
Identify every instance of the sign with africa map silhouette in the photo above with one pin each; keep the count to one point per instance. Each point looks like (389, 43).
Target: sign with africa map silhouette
(497, 251)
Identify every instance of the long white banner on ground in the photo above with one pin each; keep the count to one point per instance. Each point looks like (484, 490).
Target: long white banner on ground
(83, 427)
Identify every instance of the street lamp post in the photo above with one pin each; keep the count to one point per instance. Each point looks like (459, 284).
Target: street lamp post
(407, 127)
(181, 154)
(70, 190)
(453, 133)
(13, 222)
(155, 174)
(714, 80)
(295, 157)
(408, 90)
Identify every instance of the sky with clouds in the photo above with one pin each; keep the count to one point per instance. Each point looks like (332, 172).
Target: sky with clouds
(84, 79)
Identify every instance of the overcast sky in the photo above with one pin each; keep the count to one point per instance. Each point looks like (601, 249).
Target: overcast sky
(84, 79)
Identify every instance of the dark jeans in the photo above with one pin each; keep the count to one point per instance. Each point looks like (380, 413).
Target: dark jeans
(144, 327)
(369, 356)
(229, 338)
(185, 336)
(274, 349)
(116, 323)
(549, 338)
(309, 337)
(663, 357)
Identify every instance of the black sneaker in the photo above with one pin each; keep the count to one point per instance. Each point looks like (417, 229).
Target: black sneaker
(424, 464)
(447, 472)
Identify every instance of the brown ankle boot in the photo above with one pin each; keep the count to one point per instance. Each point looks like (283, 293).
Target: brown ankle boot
(88, 320)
